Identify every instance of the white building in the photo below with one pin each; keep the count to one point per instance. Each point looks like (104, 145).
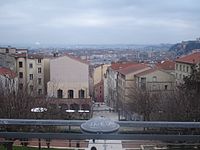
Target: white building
(8, 81)
(184, 65)
(69, 78)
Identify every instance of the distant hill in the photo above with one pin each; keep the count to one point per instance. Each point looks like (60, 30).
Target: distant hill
(185, 47)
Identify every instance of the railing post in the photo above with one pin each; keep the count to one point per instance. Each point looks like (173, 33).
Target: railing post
(39, 143)
(9, 145)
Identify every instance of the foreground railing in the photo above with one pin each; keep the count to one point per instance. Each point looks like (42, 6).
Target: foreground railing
(129, 130)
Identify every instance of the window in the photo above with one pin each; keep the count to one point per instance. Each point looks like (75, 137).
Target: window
(7, 50)
(30, 65)
(143, 83)
(180, 76)
(20, 86)
(59, 93)
(20, 64)
(31, 88)
(39, 91)
(187, 69)
(176, 66)
(6, 83)
(184, 68)
(30, 76)
(39, 81)
(154, 78)
(20, 75)
(166, 87)
(70, 94)
(81, 93)
(39, 61)
(180, 67)
(39, 70)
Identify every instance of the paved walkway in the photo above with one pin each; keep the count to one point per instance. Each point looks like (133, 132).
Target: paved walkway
(103, 110)
(105, 145)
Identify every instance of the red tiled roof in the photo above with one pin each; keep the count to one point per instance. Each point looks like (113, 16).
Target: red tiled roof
(166, 65)
(7, 72)
(132, 68)
(147, 72)
(121, 65)
(193, 58)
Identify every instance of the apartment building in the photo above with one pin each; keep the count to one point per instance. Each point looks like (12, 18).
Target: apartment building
(98, 82)
(184, 65)
(69, 78)
(30, 70)
(167, 66)
(8, 50)
(126, 81)
(155, 80)
(8, 81)
(110, 92)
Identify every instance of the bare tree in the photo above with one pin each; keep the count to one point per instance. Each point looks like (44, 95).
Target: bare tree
(143, 102)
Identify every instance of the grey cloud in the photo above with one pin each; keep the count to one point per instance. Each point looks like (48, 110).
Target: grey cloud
(98, 21)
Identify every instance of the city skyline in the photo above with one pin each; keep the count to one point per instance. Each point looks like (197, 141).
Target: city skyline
(98, 22)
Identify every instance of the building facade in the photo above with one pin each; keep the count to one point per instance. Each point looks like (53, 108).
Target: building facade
(30, 70)
(155, 80)
(110, 94)
(8, 81)
(69, 78)
(184, 65)
(98, 82)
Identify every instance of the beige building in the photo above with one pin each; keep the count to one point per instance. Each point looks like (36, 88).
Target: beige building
(184, 65)
(99, 72)
(69, 78)
(98, 77)
(30, 70)
(110, 91)
(126, 81)
(140, 76)
(155, 80)
(8, 50)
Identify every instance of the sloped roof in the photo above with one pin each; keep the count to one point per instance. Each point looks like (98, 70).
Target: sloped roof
(166, 65)
(132, 69)
(35, 56)
(147, 71)
(193, 58)
(121, 65)
(7, 72)
(73, 57)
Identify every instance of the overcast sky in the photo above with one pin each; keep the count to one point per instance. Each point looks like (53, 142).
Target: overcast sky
(98, 21)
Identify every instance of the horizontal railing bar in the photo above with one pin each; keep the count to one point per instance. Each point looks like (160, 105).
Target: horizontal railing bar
(144, 124)
(159, 124)
(39, 122)
(78, 136)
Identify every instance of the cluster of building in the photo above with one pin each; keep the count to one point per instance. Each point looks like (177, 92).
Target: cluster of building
(63, 80)
(72, 83)
(122, 78)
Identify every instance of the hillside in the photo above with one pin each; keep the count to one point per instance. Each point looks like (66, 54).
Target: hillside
(185, 47)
